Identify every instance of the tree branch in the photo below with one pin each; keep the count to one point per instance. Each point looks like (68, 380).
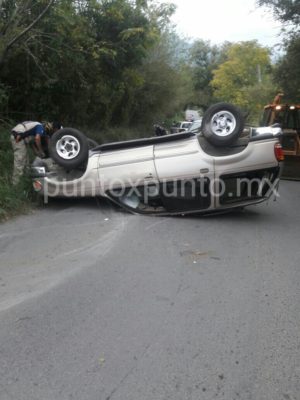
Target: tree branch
(29, 27)
(15, 17)
(36, 61)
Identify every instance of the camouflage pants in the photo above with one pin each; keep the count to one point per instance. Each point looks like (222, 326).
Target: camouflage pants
(20, 159)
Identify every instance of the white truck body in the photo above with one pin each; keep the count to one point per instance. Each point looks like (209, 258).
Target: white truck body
(116, 170)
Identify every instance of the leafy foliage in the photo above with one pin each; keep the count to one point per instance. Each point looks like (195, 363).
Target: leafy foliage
(111, 63)
(245, 77)
(17, 19)
(13, 199)
(205, 58)
(287, 71)
(284, 10)
(88, 62)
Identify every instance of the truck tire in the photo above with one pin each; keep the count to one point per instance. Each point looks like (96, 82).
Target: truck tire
(69, 148)
(222, 124)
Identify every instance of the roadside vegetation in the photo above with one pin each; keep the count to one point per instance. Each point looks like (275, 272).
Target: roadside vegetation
(113, 68)
(13, 199)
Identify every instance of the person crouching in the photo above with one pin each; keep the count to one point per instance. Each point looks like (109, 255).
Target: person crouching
(29, 134)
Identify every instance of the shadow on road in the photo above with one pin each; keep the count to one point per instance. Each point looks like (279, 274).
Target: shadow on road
(92, 203)
(247, 214)
(250, 214)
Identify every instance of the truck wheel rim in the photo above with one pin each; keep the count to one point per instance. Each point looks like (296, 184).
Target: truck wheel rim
(223, 123)
(68, 147)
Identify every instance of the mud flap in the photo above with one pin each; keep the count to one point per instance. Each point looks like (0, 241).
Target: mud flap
(291, 168)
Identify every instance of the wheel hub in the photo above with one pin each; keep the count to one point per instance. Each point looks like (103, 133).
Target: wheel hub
(223, 123)
(68, 147)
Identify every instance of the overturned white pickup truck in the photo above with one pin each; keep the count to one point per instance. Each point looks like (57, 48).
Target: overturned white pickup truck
(224, 167)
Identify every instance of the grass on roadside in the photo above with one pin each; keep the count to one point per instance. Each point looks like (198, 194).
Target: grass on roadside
(13, 199)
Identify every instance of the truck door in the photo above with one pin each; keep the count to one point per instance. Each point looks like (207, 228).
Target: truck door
(185, 174)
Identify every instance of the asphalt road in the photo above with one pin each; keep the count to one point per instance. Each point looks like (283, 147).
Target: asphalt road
(98, 304)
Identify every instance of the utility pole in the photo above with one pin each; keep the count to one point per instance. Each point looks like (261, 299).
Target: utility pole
(259, 77)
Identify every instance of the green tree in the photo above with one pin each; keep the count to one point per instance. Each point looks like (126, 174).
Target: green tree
(84, 62)
(18, 19)
(244, 77)
(166, 85)
(284, 10)
(287, 70)
(204, 59)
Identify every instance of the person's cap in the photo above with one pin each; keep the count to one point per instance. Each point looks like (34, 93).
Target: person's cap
(48, 127)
